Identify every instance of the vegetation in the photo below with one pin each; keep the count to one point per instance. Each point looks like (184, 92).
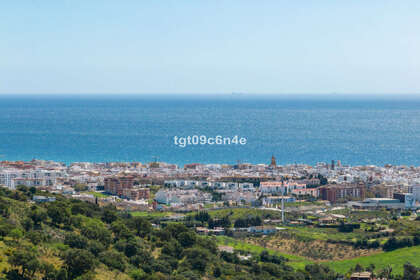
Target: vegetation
(71, 239)
(98, 194)
(394, 260)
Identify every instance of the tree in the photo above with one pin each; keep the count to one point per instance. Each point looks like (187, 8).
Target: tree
(5, 227)
(225, 222)
(371, 267)
(211, 223)
(4, 208)
(138, 274)
(358, 268)
(391, 244)
(197, 258)
(386, 272)
(161, 265)
(188, 275)
(113, 260)
(16, 234)
(202, 216)
(176, 229)
(75, 240)
(129, 247)
(411, 272)
(186, 239)
(25, 260)
(120, 230)
(322, 180)
(240, 223)
(36, 236)
(59, 213)
(38, 215)
(109, 214)
(78, 262)
(141, 226)
(95, 229)
(217, 272)
(172, 248)
(95, 247)
(49, 271)
(320, 272)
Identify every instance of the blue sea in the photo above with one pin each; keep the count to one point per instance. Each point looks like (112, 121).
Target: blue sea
(295, 129)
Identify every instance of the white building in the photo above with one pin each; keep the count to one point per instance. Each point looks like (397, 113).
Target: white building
(416, 192)
(274, 187)
(30, 178)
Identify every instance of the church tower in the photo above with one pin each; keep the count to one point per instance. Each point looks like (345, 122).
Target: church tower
(273, 161)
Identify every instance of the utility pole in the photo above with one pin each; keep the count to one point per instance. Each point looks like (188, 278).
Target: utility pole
(282, 207)
(282, 210)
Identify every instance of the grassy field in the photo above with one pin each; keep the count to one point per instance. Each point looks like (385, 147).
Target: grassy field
(317, 233)
(98, 194)
(396, 259)
(296, 262)
(303, 203)
(153, 214)
(235, 213)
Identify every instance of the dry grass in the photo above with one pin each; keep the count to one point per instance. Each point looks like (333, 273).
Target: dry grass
(102, 273)
(316, 250)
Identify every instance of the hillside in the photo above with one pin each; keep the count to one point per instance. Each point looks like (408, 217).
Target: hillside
(71, 239)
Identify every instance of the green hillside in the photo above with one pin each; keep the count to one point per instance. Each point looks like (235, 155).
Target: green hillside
(395, 259)
(70, 239)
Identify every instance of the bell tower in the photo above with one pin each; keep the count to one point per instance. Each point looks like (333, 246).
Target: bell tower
(273, 161)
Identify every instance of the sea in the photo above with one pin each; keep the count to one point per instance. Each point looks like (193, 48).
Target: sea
(355, 129)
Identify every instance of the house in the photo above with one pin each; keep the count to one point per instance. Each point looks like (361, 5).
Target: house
(273, 200)
(262, 229)
(228, 249)
(373, 203)
(246, 187)
(181, 196)
(274, 187)
(41, 198)
(166, 197)
(361, 276)
(208, 231)
(311, 192)
(328, 220)
(247, 197)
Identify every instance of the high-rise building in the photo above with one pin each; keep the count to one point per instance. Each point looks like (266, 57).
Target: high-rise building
(124, 187)
(335, 193)
(116, 185)
(416, 192)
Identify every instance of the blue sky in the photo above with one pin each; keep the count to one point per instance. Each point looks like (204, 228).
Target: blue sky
(79, 46)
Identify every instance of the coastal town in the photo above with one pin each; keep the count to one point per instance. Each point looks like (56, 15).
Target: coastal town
(158, 186)
(328, 213)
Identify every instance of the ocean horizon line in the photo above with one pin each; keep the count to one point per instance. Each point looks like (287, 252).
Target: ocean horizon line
(218, 95)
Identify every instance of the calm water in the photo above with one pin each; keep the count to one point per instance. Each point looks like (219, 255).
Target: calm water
(303, 130)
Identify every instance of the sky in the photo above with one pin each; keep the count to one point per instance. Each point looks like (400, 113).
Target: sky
(199, 46)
